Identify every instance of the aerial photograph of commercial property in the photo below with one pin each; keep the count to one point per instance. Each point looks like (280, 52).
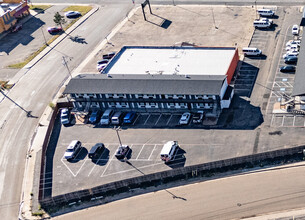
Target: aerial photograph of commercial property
(152, 109)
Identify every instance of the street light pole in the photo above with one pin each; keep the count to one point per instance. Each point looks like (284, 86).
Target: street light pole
(117, 129)
(44, 37)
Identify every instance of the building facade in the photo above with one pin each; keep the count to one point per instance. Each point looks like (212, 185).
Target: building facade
(10, 11)
(137, 90)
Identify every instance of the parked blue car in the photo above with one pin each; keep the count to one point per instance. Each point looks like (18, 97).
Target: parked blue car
(129, 117)
(94, 117)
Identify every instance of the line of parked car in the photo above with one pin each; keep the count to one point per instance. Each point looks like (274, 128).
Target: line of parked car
(101, 64)
(291, 56)
(95, 152)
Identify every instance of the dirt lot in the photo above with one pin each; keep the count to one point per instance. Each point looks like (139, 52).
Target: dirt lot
(173, 25)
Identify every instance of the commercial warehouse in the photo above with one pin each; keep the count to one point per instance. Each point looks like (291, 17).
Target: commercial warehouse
(159, 79)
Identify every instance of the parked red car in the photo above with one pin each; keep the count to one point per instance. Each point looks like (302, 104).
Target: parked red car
(52, 30)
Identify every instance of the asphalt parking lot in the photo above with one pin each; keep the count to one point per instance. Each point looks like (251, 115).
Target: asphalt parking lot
(243, 133)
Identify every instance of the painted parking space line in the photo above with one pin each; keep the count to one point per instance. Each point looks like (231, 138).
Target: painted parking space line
(136, 119)
(147, 119)
(152, 152)
(108, 165)
(141, 167)
(140, 151)
(158, 119)
(169, 119)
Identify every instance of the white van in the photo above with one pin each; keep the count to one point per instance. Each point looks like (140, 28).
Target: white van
(251, 51)
(262, 23)
(265, 12)
(168, 150)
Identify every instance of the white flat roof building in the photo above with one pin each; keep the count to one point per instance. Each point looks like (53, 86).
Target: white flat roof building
(172, 60)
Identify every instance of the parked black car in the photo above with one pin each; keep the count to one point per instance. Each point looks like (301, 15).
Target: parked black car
(291, 60)
(287, 69)
(198, 117)
(96, 150)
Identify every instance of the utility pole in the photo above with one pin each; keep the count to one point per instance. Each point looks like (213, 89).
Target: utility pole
(64, 62)
(44, 37)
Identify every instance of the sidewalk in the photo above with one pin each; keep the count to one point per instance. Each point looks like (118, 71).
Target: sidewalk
(287, 215)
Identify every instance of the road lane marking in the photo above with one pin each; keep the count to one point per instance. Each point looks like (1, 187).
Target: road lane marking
(158, 119)
(147, 119)
(169, 119)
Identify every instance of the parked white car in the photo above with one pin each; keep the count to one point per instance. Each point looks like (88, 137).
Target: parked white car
(295, 29)
(73, 148)
(72, 14)
(185, 118)
(293, 42)
(291, 54)
(293, 47)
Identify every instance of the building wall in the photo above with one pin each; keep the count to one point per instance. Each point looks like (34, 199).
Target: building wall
(147, 102)
(8, 20)
(232, 66)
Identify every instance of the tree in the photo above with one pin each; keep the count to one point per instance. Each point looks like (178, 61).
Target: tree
(59, 19)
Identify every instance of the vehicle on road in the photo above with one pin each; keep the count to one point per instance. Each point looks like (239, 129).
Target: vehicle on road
(168, 150)
(185, 118)
(122, 152)
(108, 55)
(129, 117)
(265, 12)
(53, 30)
(198, 117)
(72, 14)
(73, 148)
(291, 60)
(117, 118)
(295, 29)
(96, 150)
(95, 116)
(105, 120)
(251, 51)
(65, 116)
(287, 69)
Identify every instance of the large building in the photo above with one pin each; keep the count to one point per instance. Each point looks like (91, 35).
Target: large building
(10, 11)
(159, 79)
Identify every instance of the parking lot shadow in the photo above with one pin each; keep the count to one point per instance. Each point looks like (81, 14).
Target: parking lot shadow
(103, 159)
(48, 175)
(241, 115)
(24, 36)
(179, 159)
(80, 156)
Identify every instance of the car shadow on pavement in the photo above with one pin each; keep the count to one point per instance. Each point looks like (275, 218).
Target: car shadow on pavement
(78, 39)
(103, 159)
(179, 159)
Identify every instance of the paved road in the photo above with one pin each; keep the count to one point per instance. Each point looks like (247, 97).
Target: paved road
(30, 96)
(187, 2)
(235, 197)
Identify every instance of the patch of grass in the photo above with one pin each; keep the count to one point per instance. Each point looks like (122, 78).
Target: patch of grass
(38, 213)
(39, 7)
(82, 9)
